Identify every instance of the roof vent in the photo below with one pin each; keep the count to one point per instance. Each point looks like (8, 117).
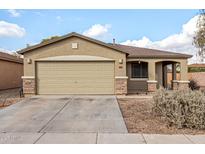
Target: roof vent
(113, 41)
(74, 45)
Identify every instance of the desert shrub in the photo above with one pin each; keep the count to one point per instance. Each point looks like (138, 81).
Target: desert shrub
(193, 85)
(182, 108)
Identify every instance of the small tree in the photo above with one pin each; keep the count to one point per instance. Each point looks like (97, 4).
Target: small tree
(199, 38)
(50, 38)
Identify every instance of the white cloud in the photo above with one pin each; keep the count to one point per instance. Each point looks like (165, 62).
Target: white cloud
(59, 18)
(39, 14)
(98, 31)
(180, 42)
(5, 50)
(11, 52)
(11, 30)
(14, 13)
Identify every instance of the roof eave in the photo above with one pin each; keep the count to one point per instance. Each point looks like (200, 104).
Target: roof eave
(12, 60)
(73, 34)
(42, 44)
(162, 56)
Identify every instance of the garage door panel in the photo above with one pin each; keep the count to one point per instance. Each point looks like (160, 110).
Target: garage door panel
(75, 77)
(75, 84)
(82, 82)
(78, 75)
(85, 85)
(78, 90)
(90, 70)
(79, 67)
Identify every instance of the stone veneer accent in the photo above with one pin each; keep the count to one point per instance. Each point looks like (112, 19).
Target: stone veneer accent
(183, 85)
(151, 86)
(180, 85)
(29, 86)
(174, 84)
(121, 85)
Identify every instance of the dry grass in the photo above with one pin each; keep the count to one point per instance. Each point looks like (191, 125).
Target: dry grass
(9, 97)
(139, 118)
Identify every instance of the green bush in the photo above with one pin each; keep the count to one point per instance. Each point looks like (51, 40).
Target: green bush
(181, 108)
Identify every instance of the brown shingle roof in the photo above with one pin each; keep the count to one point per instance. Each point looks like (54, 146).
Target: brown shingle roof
(149, 53)
(129, 50)
(8, 57)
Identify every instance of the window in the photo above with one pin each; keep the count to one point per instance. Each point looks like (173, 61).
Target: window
(139, 70)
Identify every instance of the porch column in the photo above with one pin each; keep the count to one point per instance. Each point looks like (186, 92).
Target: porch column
(183, 82)
(184, 70)
(165, 76)
(174, 78)
(151, 83)
(174, 71)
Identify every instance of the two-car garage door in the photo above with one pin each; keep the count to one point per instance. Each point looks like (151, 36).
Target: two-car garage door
(75, 77)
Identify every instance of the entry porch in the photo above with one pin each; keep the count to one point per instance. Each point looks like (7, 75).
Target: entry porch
(147, 75)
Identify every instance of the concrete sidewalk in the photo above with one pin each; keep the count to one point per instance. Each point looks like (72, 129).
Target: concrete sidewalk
(98, 138)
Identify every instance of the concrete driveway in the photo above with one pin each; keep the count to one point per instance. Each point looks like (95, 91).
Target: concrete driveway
(74, 119)
(63, 114)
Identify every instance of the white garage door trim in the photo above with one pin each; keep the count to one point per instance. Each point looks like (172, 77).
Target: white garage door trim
(75, 58)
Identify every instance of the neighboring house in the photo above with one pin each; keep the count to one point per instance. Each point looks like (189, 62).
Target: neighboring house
(76, 64)
(11, 71)
(197, 73)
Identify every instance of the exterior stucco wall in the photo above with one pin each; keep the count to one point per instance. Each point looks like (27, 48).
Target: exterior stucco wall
(85, 47)
(152, 62)
(11, 73)
(159, 74)
(65, 48)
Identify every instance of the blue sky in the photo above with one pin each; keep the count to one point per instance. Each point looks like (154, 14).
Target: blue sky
(124, 25)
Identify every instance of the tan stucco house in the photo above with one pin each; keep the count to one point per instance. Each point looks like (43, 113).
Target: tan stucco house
(11, 71)
(76, 64)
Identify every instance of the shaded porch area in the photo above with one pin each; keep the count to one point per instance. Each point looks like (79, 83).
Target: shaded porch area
(167, 73)
(147, 75)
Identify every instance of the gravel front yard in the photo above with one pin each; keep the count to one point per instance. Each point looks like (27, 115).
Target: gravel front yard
(9, 97)
(138, 116)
